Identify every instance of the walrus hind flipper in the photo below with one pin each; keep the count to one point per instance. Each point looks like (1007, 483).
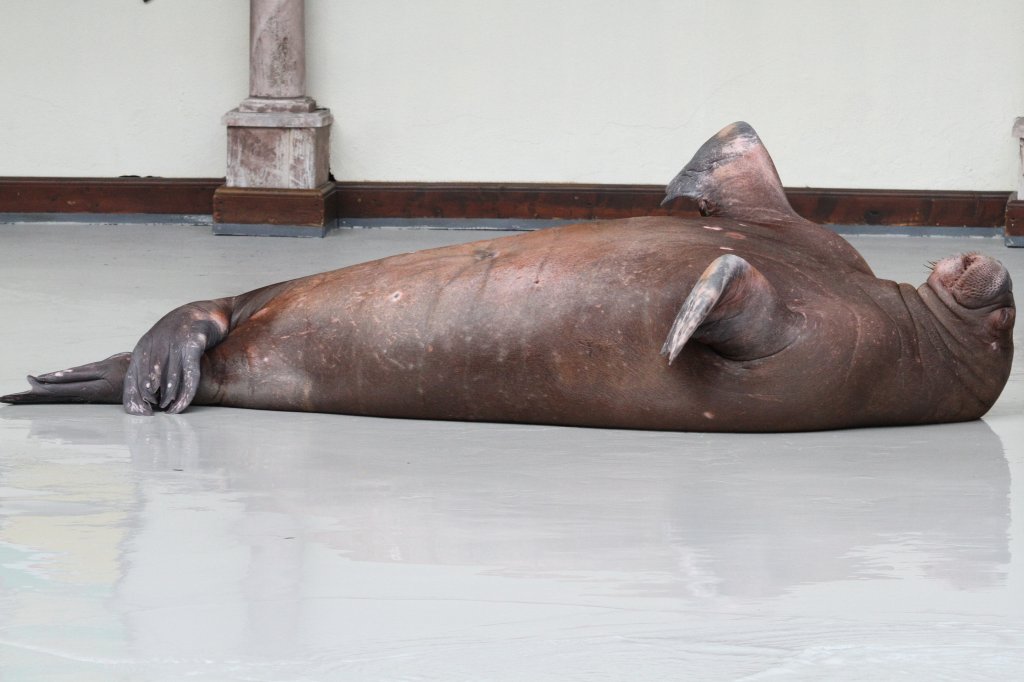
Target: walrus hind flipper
(734, 310)
(164, 369)
(733, 176)
(96, 382)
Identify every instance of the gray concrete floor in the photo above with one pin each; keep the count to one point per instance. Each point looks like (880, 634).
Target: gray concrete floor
(237, 545)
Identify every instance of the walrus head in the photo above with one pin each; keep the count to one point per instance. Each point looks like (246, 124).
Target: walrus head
(976, 287)
(971, 297)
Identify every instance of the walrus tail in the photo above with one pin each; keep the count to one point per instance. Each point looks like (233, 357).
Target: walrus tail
(96, 382)
(733, 176)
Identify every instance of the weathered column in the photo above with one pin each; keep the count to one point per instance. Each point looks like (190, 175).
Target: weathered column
(1013, 232)
(277, 49)
(1018, 135)
(278, 139)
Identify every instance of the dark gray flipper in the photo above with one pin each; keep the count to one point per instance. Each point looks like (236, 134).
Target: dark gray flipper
(165, 366)
(734, 310)
(164, 369)
(733, 176)
(96, 382)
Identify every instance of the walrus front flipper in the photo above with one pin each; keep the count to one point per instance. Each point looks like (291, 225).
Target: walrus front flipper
(734, 310)
(733, 176)
(96, 382)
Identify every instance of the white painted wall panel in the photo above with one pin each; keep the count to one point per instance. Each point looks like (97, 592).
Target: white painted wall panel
(875, 93)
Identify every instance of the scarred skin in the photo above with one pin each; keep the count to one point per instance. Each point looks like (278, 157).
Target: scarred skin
(567, 326)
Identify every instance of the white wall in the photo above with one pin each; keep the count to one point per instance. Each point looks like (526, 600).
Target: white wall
(869, 93)
(113, 87)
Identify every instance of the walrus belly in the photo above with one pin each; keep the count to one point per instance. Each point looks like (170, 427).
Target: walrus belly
(468, 332)
(494, 331)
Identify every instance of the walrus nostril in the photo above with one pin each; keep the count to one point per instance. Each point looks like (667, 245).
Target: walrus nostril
(981, 281)
(973, 279)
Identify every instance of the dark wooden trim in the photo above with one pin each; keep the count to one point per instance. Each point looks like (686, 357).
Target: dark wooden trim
(471, 200)
(107, 195)
(912, 208)
(584, 202)
(314, 207)
(1015, 218)
(492, 200)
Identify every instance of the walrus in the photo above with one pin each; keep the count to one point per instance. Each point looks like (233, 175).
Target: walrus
(748, 319)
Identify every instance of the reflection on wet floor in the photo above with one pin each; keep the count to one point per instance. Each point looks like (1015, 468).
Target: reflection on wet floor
(231, 544)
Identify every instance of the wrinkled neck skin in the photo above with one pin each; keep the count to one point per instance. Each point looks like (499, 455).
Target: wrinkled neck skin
(975, 345)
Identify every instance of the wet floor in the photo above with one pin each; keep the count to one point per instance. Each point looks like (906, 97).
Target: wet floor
(226, 544)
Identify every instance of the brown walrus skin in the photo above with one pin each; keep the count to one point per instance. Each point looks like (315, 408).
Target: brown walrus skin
(749, 319)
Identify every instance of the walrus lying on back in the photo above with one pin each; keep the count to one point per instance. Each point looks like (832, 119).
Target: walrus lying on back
(748, 319)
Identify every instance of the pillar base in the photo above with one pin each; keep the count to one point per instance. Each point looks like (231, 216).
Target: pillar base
(298, 208)
(274, 148)
(1013, 234)
(291, 105)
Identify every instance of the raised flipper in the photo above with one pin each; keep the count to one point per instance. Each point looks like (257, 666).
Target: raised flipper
(96, 382)
(733, 176)
(734, 310)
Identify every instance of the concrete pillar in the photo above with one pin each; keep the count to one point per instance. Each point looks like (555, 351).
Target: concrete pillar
(277, 49)
(278, 138)
(1013, 233)
(1018, 134)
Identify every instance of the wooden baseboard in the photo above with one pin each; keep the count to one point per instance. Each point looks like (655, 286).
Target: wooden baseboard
(107, 195)
(914, 208)
(243, 205)
(910, 208)
(471, 200)
(498, 201)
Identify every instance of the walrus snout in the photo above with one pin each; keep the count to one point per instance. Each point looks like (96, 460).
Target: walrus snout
(974, 280)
